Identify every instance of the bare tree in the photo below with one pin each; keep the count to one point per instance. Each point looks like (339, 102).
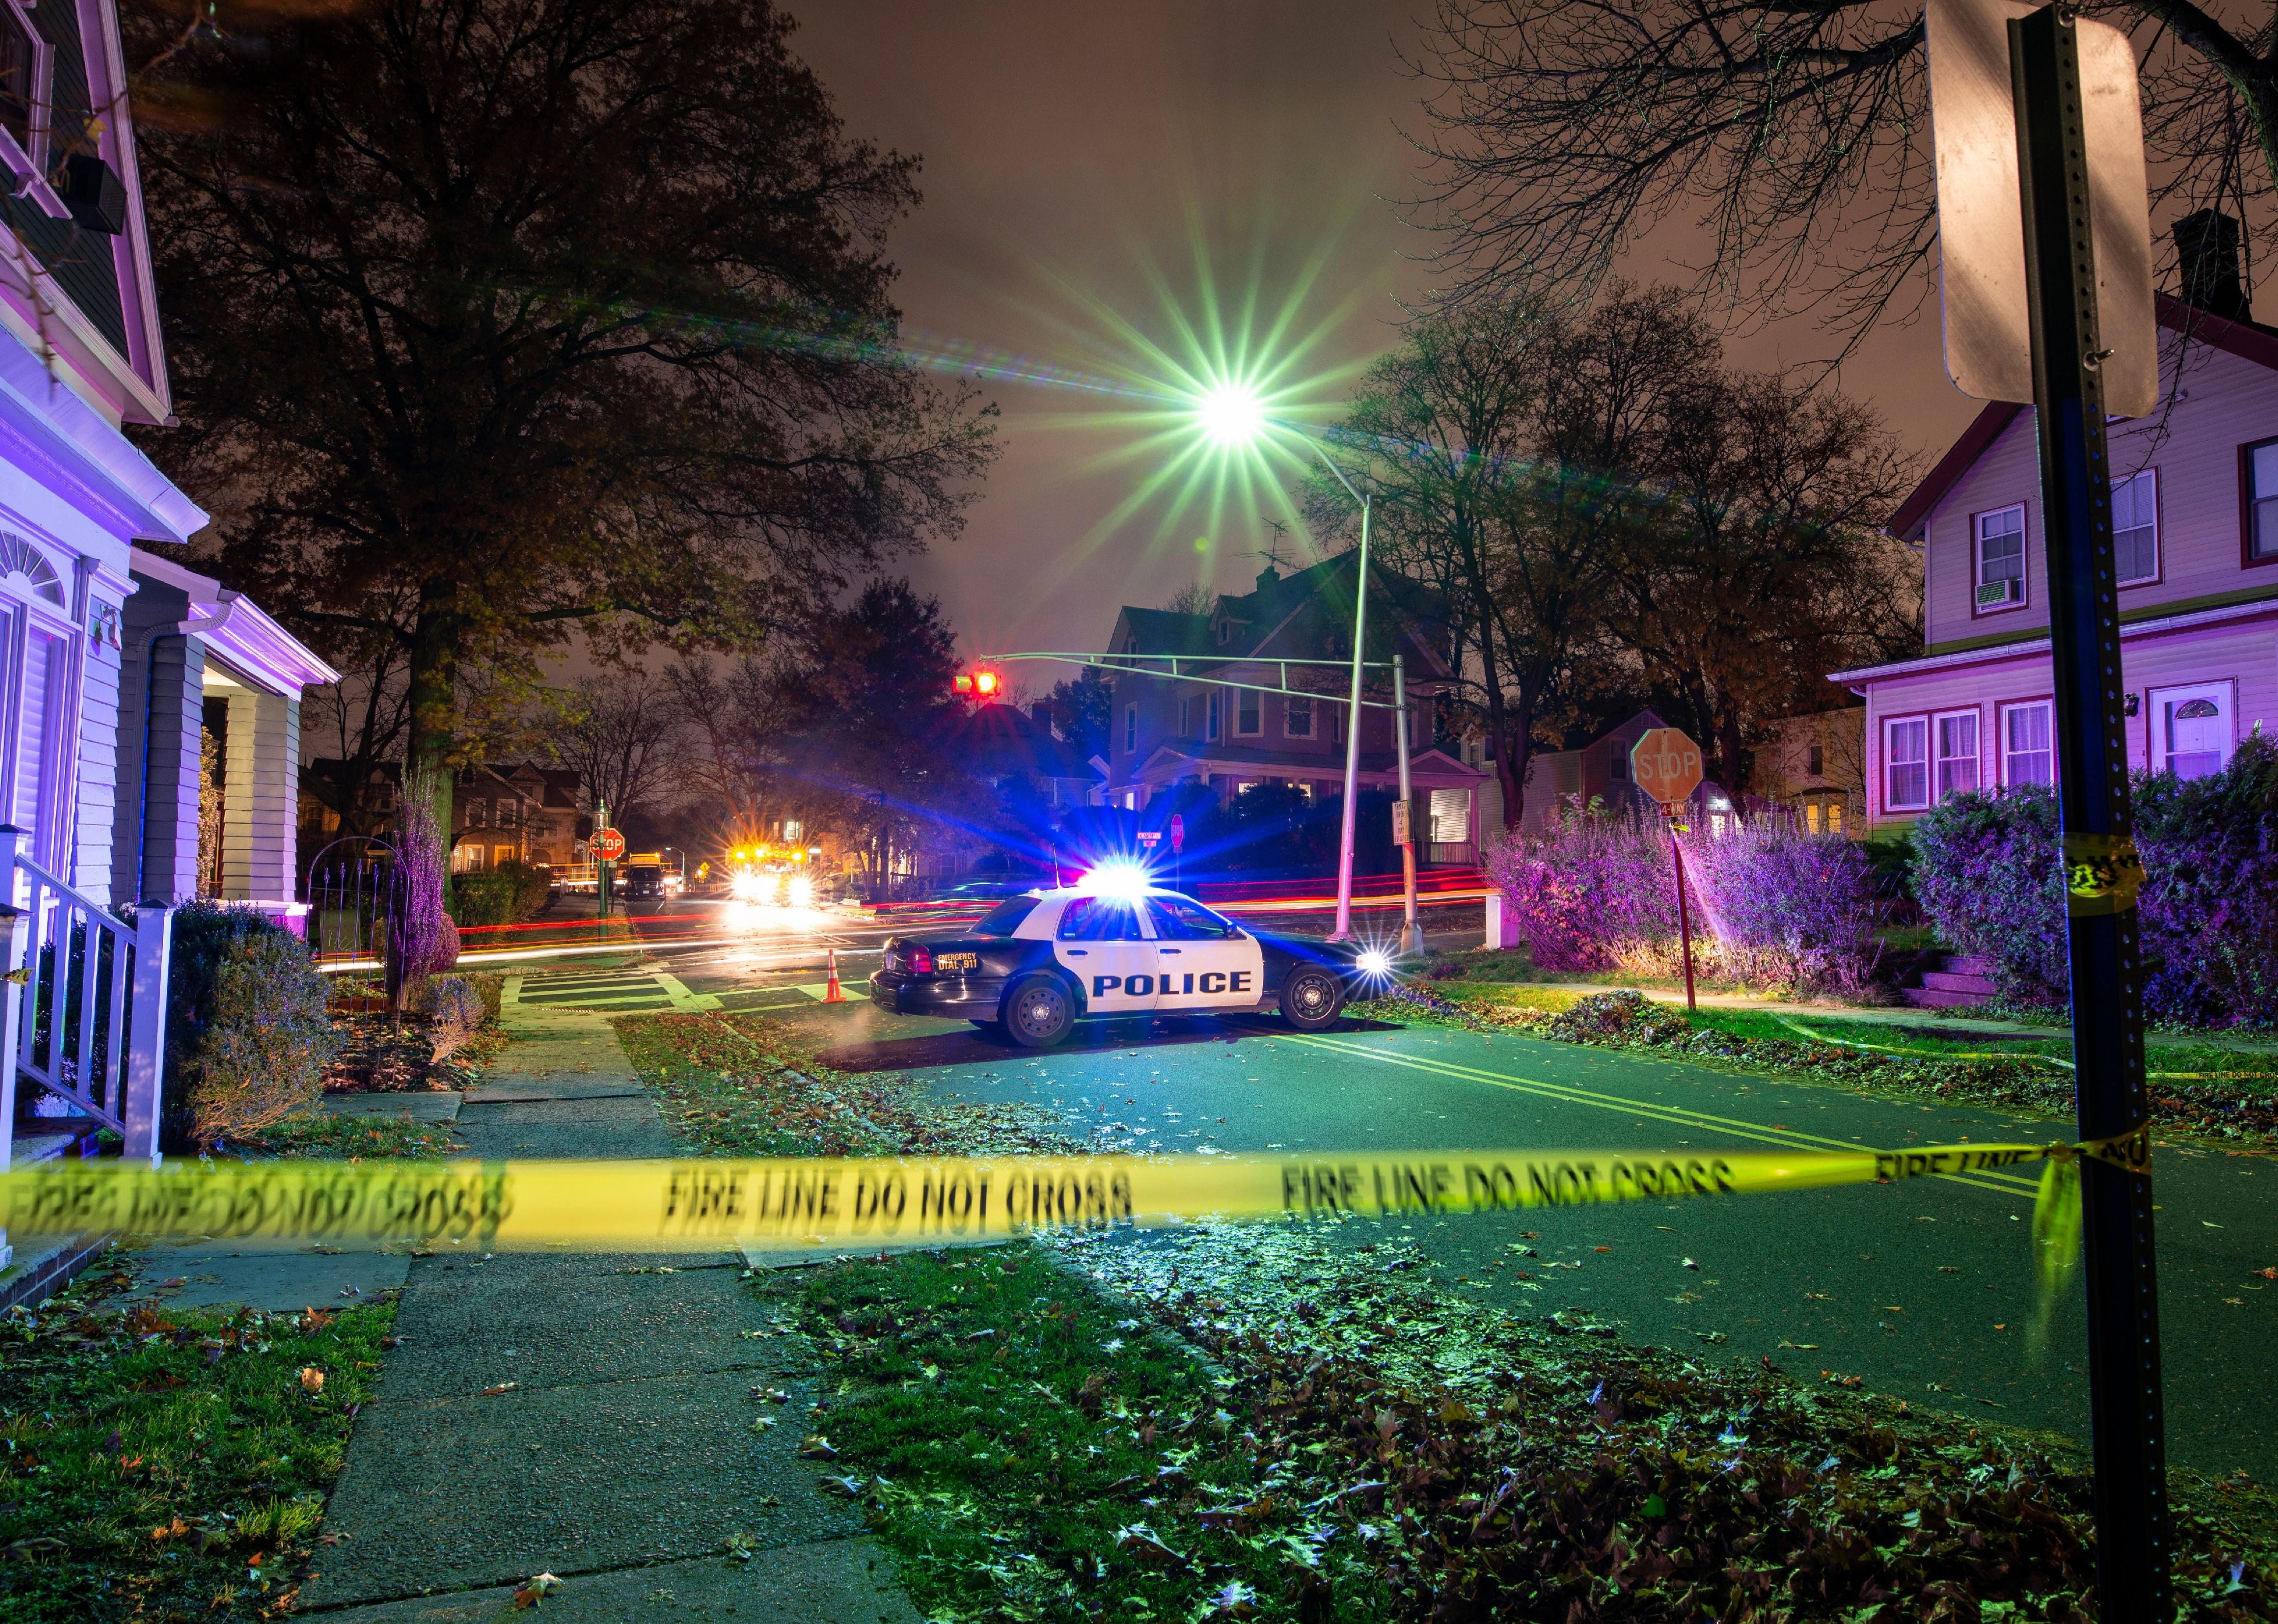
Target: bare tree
(1195, 597)
(1796, 134)
(624, 737)
(1761, 568)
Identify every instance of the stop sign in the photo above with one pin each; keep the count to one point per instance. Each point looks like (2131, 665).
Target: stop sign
(1666, 765)
(609, 845)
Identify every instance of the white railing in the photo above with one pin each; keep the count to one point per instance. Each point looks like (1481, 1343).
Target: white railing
(85, 1017)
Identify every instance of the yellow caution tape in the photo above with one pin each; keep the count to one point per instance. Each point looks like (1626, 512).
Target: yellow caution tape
(2102, 873)
(708, 1205)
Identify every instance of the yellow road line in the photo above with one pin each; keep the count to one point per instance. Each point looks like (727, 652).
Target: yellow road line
(2003, 1184)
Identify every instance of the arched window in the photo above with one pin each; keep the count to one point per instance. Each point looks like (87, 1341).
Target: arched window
(20, 557)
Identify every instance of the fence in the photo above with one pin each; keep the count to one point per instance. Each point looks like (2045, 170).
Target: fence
(351, 894)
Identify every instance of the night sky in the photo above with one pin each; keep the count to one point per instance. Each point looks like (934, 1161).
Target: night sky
(1071, 145)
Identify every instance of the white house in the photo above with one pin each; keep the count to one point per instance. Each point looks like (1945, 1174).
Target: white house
(81, 358)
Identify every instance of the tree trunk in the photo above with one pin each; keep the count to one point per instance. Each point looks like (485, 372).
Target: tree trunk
(1514, 751)
(433, 706)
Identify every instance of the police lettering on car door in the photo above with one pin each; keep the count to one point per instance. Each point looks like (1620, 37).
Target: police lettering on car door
(1207, 962)
(1100, 942)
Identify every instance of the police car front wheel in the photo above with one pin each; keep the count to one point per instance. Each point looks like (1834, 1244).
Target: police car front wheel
(1312, 1000)
(1038, 1011)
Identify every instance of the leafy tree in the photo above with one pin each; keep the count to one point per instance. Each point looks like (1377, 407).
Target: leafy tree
(1796, 136)
(1084, 708)
(492, 323)
(1601, 508)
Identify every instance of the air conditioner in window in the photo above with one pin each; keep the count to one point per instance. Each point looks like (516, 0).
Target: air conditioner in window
(2000, 592)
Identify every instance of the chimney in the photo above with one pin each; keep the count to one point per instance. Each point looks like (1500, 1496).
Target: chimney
(1268, 577)
(1041, 714)
(2206, 245)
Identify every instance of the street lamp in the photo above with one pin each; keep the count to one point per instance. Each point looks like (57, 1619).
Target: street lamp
(1232, 415)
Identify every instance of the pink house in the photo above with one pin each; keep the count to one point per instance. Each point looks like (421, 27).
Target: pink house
(2195, 501)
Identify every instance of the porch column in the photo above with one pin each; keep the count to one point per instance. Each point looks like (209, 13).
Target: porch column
(154, 845)
(260, 799)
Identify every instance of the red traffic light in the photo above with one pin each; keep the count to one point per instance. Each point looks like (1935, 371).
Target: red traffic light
(986, 682)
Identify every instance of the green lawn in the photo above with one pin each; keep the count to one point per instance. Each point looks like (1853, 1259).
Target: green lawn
(170, 1465)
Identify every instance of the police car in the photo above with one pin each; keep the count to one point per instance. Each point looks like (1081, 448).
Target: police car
(1037, 965)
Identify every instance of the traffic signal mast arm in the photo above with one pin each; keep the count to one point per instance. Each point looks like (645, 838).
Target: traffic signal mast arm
(1153, 664)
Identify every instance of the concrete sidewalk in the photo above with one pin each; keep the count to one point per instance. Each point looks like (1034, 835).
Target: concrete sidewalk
(588, 1415)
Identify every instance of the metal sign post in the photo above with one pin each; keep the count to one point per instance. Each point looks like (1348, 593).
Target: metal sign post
(1665, 764)
(1411, 935)
(2132, 1530)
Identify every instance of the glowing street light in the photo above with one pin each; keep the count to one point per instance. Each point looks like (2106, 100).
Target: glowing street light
(1231, 415)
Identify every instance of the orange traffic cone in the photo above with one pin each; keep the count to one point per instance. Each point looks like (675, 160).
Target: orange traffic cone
(830, 993)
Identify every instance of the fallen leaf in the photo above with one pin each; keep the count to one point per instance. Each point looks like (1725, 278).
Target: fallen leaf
(530, 1594)
(492, 1393)
(312, 1380)
(815, 1446)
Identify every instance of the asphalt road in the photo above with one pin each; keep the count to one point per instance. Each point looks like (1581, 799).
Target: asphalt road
(1921, 1291)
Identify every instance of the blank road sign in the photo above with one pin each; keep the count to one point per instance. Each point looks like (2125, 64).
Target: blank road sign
(1981, 232)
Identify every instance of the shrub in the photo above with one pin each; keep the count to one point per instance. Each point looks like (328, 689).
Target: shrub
(1985, 872)
(205, 934)
(2209, 903)
(1775, 907)
(454, 1013)
(261, 1054)
(507, 894)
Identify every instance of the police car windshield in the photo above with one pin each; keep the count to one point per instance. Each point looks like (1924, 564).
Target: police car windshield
(1005, 916)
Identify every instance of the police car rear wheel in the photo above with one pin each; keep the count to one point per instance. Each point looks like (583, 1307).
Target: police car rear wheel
(1038, 1011)
(1311, 999)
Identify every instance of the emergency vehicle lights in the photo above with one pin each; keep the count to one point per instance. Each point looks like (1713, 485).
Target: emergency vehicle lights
(1119, 878)
(1374, 962)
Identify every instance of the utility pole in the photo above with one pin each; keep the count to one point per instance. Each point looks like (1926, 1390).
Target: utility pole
(2133, 1536)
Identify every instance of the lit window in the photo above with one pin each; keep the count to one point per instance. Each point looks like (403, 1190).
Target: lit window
(2001, 558)
(1451, 816)
(1906, 765)
(1957, 754)
(2136, 526)
(1298, 723)
(2027, 757)
(1835, 817)
(2262, 500)
(2192, 735)
(1249, 714)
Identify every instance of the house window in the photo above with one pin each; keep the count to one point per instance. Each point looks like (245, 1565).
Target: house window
(1957, 752)
(2259, 476)
(478, 814)
(1187, 716)
(2001, 558)
(1451, 816)
(1618, 765)
(1814, 760)
(2136, 526)
(1130, 728)
(1249, 714)
(1210, 723)
(1906, 764)
(2027, 756)
(506, 814)
(1298, 721)
(2190, 729)
(21, 91)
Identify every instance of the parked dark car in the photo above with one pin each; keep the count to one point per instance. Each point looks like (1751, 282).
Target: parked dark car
(641, 881)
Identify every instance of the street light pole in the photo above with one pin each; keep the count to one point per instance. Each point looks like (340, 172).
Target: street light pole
(1352, 712)
(1411, 939)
